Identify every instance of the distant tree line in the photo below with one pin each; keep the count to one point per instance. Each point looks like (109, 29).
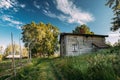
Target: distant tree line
(8, 51)
(83, 29)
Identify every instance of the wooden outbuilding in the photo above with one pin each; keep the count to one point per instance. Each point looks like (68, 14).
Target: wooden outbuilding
(72, 44)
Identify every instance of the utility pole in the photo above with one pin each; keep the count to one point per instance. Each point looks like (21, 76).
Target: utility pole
(13, 60)
(20, 52)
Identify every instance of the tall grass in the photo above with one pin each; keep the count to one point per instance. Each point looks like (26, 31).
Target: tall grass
(101, 65)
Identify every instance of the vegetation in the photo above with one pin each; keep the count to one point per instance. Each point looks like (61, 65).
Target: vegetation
(1, 56)
(6, 68)
(8, 50)
(101, 65)
(83, 29)
(115, 5)
(41, 39)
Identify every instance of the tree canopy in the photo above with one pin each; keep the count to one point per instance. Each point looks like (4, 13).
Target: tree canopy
(17, 51)
(40, 38)
(115, 5)
(82, 29)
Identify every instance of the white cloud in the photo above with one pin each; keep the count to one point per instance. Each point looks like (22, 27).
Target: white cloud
(48, 13)
(113, 37)
(36, 5)
(9, 19)
(76, 15)
(71, 13)
(22, 5)
(11, 22)
(52, 15)
(6, 4)
(11, 4)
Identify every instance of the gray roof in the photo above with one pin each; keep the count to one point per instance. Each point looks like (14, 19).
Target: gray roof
(86, 35)
(97, 35)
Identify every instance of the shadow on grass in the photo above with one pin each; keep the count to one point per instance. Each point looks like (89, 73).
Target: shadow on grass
(56, 72)
(71, 73)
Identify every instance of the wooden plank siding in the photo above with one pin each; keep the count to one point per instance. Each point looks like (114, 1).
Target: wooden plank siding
(72, 45)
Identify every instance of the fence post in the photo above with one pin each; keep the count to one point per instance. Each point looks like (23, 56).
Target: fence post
(13, 53)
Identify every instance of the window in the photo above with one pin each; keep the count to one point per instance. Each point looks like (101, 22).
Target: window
(75, 47)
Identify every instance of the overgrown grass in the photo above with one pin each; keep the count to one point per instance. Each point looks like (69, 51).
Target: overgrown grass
(101, 65)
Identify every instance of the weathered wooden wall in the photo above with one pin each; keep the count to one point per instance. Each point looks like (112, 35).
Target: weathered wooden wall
(75, 45)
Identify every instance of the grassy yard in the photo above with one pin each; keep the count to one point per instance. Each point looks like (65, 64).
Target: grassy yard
(39, 69)
(102, 65)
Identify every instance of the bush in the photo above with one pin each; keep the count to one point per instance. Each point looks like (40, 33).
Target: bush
(116, 65)
(103, 67)
(71, 73)
(27, 73)
(101, 72)
(1, 57)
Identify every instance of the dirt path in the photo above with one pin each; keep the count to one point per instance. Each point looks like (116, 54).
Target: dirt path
(48, 71)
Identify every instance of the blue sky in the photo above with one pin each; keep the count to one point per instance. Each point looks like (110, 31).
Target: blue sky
(65, 14)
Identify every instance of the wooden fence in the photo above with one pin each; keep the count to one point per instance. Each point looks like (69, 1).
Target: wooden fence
(6, 69)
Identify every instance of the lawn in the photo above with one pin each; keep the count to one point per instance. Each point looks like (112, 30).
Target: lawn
(101, 65)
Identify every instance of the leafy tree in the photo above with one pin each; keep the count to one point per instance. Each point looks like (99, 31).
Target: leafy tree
(1, 49)
(83, 29)
(8, 50)
(24, 52)
(40, 38)
(115, 5)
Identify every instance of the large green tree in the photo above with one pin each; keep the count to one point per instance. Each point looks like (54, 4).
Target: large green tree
(115, 5)
(40, 38)
(83, 29)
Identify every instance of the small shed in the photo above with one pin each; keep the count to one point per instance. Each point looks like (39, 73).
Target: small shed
(15, 56)
(72, 44)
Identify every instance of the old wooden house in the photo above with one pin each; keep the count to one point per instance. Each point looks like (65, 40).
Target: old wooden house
(75, 44)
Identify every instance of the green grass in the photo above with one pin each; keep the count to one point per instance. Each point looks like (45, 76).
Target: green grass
(102, 65)
(39, 69)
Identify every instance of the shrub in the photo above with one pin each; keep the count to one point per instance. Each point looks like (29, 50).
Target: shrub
(101, 72)
(71, 73)
(1, 57)
(101, 67)
(116, 65)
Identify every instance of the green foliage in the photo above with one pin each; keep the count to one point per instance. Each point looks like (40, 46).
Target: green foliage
(1, 56)
(83, 29)
(8, 51)
(115, 5)
(102, 65)
(101, 72)
(41, 38)
(116, 21)
(24, 74)
(39, 69)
